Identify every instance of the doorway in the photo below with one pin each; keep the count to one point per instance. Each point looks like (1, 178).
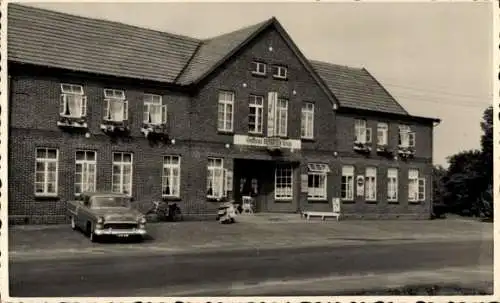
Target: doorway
(253, 178)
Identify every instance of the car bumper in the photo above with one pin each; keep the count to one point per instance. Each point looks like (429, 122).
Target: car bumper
(120, 232)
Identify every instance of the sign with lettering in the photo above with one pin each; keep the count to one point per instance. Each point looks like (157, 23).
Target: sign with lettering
(229, 180)
(272, 100)
(360, 185)
(304, 183)
(336, 205)
(266, 142)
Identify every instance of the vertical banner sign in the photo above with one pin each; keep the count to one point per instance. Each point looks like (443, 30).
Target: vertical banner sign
(336, 205)
(272, 100)
(304, 183)
(360, 185)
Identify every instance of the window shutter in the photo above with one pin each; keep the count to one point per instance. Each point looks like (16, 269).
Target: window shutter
(421, 189)
(125, 110)
(368, 135)
(224, 183)
(145, 118)
(106, 109)
(84, 106)
(271, 113)
(164, 114)
(411, 139)
(62, 104)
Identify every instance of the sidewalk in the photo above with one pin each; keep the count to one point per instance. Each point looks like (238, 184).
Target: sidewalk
(258, 231)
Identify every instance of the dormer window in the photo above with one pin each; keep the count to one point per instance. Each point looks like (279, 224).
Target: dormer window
(115, 105)
(73, 102)
(280, 72)
(259, 68)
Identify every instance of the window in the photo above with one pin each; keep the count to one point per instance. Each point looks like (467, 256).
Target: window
(170, 182)
(85, 171)
(371, 184)
(215, 178)
(362, 134)
(307, 121)
(283, 183)
(255, 116)
(73, 103)
(122, 173)
(155, 112)
(392, 184)
(225, 111)
(317, 176)
(46, 171)
(406, 136)
(282, 117)
(280, 72)
(347, 186)
(258, 68)
(382, 133)
(416, 186)
(115, 105)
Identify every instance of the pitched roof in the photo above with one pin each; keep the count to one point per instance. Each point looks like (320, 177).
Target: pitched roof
(215, 50)
(357, 88)
(47, 38)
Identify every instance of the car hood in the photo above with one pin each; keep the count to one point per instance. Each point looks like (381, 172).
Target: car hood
(118, 214)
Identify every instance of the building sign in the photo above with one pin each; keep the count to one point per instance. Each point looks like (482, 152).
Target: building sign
(229, 180)
(265, 142)
(272, 104)
(336, 205)
(360, 185)
(304, 183)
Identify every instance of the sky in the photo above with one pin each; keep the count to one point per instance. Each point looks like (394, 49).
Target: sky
(434, 58)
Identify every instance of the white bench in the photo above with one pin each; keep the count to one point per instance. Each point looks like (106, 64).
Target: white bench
(335, 213)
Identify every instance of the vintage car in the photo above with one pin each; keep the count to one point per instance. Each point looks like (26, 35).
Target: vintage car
(101, 214)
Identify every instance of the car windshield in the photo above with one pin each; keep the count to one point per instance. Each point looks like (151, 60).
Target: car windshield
(98, 202)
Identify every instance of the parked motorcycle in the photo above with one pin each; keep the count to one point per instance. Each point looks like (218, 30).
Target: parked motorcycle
(166, 211)
(226, 213)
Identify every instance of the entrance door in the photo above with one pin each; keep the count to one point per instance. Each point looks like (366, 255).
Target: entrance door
(250, 176)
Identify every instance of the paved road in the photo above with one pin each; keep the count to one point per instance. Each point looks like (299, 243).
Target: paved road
(153, 275)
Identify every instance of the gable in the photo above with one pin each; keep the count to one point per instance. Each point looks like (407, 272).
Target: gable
(47, 38)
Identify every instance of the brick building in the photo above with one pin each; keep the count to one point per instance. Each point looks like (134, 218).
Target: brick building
(99, 105)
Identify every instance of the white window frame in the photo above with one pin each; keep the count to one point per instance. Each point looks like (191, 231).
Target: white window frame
(280, 72)
(392, 184)
(256, 103)
(151, 101)
(362, 133)
(413, 177)
(282, 117)
(76, 93)
(122, 164)
(45, 161)
(115, 96)
(371, 184)
(406, 136)
(259, 68)
(225, 111)
(216, 178)
(347, 182)
(169, 178)
(320, 172)
(382, 133)
(283, 191)
(307, 120)
(88, 178)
